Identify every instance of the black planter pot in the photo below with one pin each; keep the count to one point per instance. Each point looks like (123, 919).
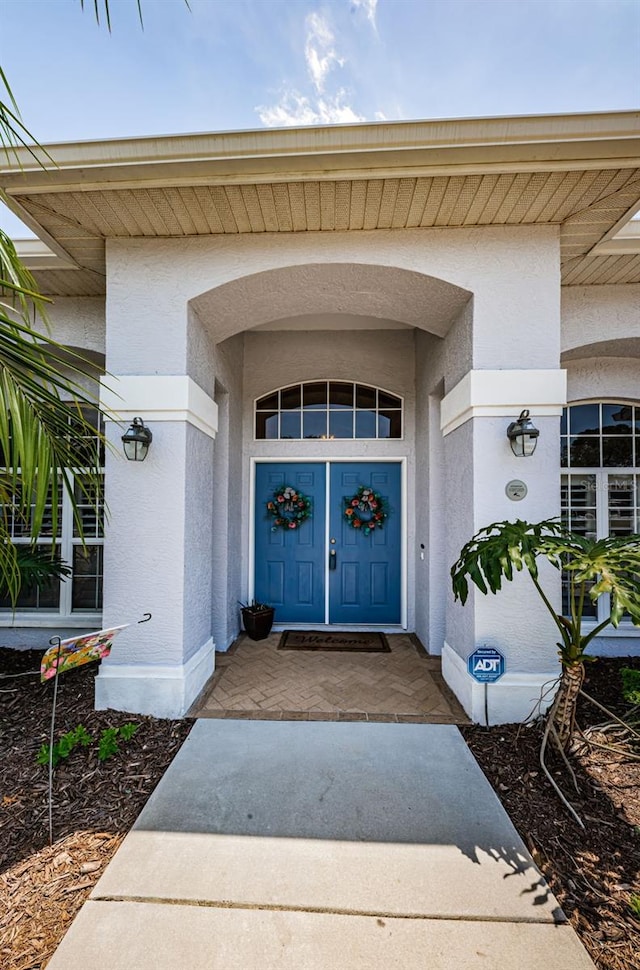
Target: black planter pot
(258, 624)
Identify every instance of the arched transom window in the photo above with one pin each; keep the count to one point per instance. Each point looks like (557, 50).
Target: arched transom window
(600, 458)
(328, 409)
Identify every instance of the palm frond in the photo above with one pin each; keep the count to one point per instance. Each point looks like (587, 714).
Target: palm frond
(19, 284)
(45, 427)
(13, 133)
(104, 5)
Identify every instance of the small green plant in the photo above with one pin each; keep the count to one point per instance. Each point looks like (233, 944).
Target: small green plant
(128, 730)
(108, 743)
(630, 685)
(79, 736)
(254, 606)
(63, 748)
(634, 905)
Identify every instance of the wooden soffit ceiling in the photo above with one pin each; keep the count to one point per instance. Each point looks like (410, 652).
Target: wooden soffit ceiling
(586, 183)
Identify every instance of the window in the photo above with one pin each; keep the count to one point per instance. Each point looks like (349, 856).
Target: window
(81, 592)
(327, 410)
(600, 486)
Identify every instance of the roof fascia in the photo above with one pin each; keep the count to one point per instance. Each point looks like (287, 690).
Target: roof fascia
(398, 149)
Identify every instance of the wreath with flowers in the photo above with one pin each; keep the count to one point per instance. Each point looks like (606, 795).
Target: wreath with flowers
(288, 508)
(366, 510)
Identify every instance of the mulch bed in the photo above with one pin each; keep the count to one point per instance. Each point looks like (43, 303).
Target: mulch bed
(593, 873)
(42, 887)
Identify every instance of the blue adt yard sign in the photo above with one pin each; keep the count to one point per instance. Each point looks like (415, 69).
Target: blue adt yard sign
(486, 665)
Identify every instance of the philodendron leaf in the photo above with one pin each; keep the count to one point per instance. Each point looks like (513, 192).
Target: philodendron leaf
(604, 566)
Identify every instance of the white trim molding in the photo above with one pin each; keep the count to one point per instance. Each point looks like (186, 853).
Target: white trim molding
(511, 699)
(164, 397)
(503, 393)
(159, 690)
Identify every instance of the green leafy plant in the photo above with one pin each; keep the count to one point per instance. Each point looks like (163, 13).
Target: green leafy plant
(108, 743)
(255, 607)
(37, 568)
(79, 736)
(594, 568)
(128, 730)
(631, 685)
(634, 905)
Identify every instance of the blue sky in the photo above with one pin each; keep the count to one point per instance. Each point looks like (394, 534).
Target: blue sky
(250, 63)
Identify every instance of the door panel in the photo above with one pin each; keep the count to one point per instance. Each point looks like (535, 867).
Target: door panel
(365, 586)
(289, 565)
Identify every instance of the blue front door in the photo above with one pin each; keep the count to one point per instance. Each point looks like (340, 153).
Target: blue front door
(290, 563)
(328, 571)
(364, 587)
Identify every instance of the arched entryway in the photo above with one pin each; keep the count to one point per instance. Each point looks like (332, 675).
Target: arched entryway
(330, 328)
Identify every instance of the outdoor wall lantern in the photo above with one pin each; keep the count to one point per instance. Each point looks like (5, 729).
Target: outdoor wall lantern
(523, 436)
(136, 441)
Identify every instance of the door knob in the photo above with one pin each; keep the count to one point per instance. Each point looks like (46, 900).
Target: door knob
(332, 559)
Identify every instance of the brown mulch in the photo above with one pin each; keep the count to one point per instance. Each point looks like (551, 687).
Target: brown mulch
(42, 887)
(594, 873)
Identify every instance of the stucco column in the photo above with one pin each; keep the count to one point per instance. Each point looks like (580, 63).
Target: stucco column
(158, 536)
(513, 347)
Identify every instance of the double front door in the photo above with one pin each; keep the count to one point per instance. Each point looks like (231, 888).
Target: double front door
(330, 568)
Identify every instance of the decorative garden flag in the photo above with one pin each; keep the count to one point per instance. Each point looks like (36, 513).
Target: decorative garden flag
(78, 651)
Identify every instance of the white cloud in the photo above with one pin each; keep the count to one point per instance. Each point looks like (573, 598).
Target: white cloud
(319, 50)
(369, 9)
(321, 107)
(295, 108)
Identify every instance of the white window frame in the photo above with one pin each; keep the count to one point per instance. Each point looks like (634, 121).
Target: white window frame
(602, 492)
(65, 543)
(329, 380)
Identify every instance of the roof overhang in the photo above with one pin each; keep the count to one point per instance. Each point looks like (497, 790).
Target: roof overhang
(581, 172)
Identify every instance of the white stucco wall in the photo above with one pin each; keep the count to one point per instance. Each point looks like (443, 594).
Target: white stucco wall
(144, 546)
(429, 554)
(599, 314)
(77, 322)
(229, 486)
(479, 463)
(593, 378)
(513, 274)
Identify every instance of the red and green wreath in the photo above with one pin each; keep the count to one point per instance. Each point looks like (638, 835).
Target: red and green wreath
(366, 510)
(288, 508)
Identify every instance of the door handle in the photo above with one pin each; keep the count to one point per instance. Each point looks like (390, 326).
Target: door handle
(332, 559)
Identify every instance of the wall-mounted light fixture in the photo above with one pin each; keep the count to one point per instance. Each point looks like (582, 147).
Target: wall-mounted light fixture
(523, 436)
(136, 440)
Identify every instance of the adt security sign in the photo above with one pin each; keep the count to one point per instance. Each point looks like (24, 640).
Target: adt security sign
(486, 665)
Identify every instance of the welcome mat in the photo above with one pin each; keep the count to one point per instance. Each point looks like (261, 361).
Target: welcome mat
(329, 640)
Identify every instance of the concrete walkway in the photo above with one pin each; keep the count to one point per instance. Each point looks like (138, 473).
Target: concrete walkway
(322, 846)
